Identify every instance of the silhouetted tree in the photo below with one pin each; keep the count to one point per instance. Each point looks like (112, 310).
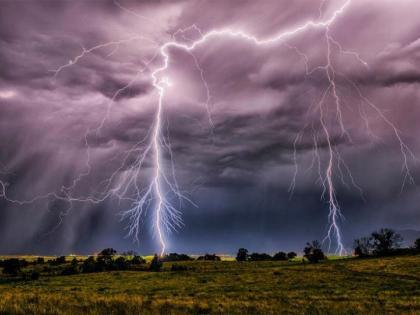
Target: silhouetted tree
(40, 260)
(155, 264)
(176, 257)
(89, 265)
(121, 263)
(138, 260)
(11, 266)
(313, 252)
(108, 252)
(280, 256)
(72, 269)
(417, 244)
(259, 257)
(58, 261)
(34, 275)
(242, 254)
(384, 241)
(291, 255)
(209, 257)
(363, 246)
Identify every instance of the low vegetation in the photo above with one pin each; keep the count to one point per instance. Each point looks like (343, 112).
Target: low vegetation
(256, 283)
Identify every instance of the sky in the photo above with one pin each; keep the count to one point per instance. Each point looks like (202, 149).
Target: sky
(254, 136)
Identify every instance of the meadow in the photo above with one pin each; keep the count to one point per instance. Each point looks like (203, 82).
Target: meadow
(347, 286)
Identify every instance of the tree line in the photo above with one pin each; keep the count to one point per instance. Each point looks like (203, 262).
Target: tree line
(383, 242)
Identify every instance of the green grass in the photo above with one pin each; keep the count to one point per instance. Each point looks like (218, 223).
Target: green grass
(349, 286)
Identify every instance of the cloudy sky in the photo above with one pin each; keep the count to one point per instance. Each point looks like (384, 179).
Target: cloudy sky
(241, 123)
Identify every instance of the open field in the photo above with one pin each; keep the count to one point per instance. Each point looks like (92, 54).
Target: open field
(350, 286)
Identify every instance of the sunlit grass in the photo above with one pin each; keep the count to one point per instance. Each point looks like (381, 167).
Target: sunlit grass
(350, 286)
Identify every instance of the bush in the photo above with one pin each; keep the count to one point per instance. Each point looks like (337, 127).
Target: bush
(89, 265)
(385, 241)
(417, 244)
(121, 263)
(108, 252)
(362, 247)
(40, 260)
(291, 255)
(209, 257)
(259, 257)
(58, 261)
(242, 254)
(313, 252)
(34, 275)
(280, 256)
(155, 264)
(11, 266)
(176, 257)
(72, 269)
(138, 260)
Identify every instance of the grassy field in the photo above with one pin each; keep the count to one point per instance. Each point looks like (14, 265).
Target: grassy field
(349, 286)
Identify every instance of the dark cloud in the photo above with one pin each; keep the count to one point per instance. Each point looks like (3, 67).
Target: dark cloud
(266, 126)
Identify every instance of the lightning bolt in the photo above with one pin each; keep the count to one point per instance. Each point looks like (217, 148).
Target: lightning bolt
(154, 196)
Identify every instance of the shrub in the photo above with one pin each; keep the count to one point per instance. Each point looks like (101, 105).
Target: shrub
(176, 257)
(417, 244)
(40, 260)
(242, 254)
(34, 275)
(291, 255)
(58, 261)
(155, 264)
(259, 257)
(138, 260)
(121, 263)
(72, 269)
(11, 266)
(108, 252)
(313, 252)
(89, 265)
(385, 241)
(280, 256)
(362, 247)
(209, 257)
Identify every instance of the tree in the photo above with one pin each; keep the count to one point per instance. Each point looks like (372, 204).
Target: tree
(417, 244)
(108, 252)
(138, 260)
(58, 261)
(176, 257)
(313, 252)
(11, 266)
(242, 254)
(210, 257)
(40, 260)
(291, 255)
(363, 246)
(72, 269)
(121, 263)
(280, 256)
(259, 257)
(155, 264)
(384, 241)
(89, 265)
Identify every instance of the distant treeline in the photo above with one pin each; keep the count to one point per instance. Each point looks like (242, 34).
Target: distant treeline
(383, 242)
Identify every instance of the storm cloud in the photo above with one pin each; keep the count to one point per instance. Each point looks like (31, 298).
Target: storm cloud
(236, 161)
